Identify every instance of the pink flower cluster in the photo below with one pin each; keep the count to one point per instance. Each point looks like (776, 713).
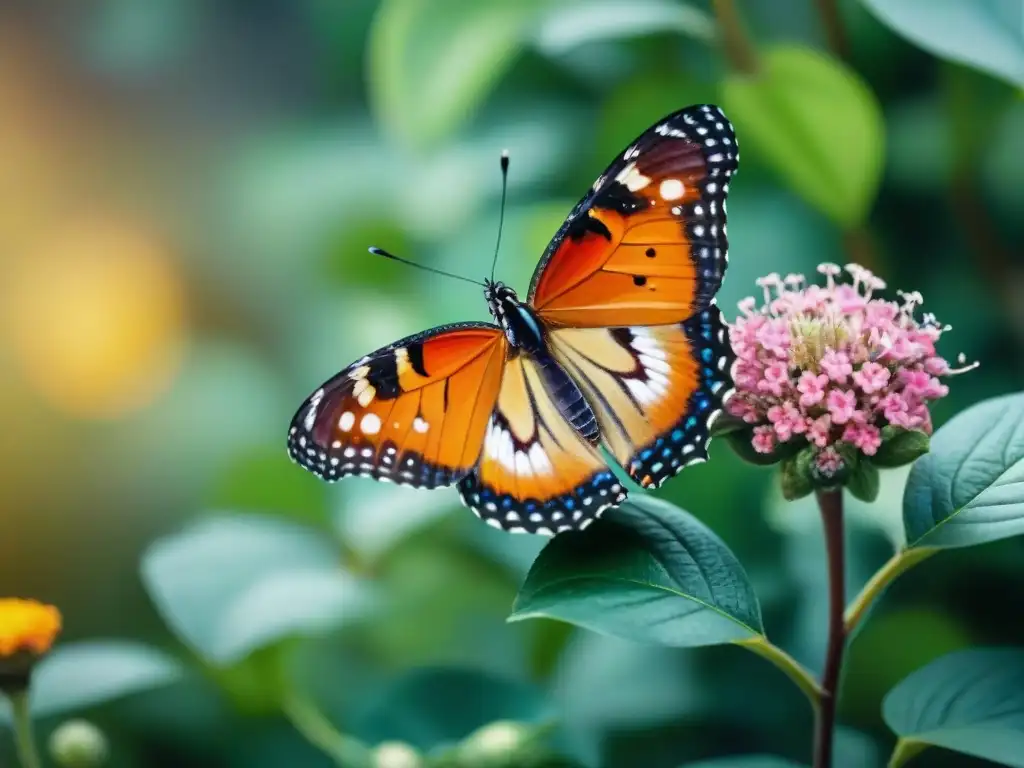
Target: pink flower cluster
(832, 363)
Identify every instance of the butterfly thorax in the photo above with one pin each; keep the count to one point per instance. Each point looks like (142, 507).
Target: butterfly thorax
(517, 320)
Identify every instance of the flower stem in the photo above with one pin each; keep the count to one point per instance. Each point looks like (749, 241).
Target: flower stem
(834, 30)
(346, 751)
(23, 738)
(899, 563)
(831, 505)
(738, 48)
(788, 665)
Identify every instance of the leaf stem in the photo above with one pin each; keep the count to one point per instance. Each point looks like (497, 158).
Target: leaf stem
(799, 674)
(23, 737)
(904, 750)
(736, 43)
(898, 564)
(835, 33)
(831, 505)
(346, 751)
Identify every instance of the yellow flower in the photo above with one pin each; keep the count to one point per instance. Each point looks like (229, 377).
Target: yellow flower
(27, 626)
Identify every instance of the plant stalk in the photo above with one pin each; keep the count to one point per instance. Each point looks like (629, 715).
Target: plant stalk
(831, 505)
(346, 751)
(736, 44)
(835, 33)
(24, 739)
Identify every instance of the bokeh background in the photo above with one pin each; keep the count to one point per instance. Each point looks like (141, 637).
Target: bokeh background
(187, 191)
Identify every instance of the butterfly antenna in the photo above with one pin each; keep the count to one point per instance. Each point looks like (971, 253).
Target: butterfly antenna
(381, 252)
(501, 216)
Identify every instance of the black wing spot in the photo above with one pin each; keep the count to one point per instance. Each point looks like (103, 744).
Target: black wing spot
(617, 197)
(383, 375)
(582, 225)
(639, 280)
(416, 359)
(651, 253)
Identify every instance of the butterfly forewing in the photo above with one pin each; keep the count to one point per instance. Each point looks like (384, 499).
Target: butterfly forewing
(536, 474)
(649, 242)
(414, 413)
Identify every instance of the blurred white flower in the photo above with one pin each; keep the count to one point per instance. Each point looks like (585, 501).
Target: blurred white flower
(78, 744)
(396, 754)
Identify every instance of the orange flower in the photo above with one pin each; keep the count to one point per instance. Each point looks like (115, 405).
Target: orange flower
(28, 626)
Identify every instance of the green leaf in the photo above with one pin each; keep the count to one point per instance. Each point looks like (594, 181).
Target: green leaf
(745, 761)
(727, 423)
(863, 481)
(648, 571)
(75, 676)
(970, 701)
(583, 22)
(230, 585)
(431, 62)
(795, 476)
(984, 34)
(431, 707)
(741, 442)
(970, 488)
(816, 123)
(900, 446)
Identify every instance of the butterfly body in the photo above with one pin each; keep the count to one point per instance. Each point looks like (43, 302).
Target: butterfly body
(617, 345)
(526, 336)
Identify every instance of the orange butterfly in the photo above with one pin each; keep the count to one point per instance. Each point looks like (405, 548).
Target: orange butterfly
(618, 344)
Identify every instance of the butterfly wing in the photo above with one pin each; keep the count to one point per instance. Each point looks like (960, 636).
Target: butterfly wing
(414, 413)
(648, 243)
(655, 390)
(536, 474)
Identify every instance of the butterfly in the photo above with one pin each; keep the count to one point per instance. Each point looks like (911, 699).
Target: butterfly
(619, 345)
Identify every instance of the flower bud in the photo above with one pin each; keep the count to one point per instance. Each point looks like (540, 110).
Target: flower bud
(78, 744)
(28, 629)
(396, 754)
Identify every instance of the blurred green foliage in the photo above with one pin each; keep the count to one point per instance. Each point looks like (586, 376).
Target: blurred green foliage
(266, 145)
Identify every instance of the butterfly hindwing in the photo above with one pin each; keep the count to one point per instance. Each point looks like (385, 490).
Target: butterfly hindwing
(414, 413)
(648, 244)
(537, 473)
(655, 389)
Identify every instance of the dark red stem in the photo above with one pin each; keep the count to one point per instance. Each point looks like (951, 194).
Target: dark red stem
(831, 505)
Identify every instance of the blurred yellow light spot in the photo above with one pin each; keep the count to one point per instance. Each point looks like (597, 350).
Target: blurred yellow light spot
(27, 625)
(95, 316)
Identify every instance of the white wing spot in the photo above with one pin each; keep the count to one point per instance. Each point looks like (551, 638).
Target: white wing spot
(370, 424)
(672, 189)
(420, 425)
(632, 178)
(346, 421)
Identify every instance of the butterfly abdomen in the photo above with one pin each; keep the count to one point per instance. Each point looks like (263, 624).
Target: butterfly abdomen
(568, 397)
